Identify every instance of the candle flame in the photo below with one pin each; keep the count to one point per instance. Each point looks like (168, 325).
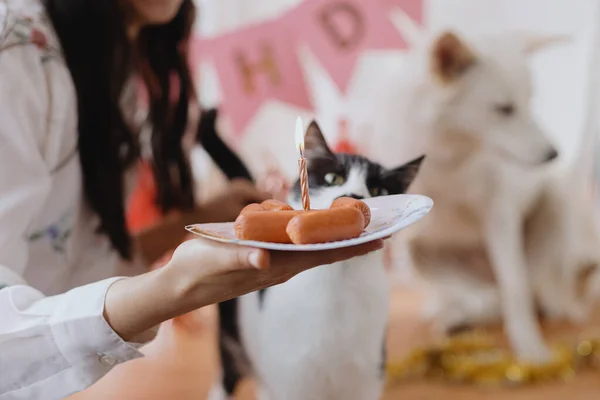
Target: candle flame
(299, 135)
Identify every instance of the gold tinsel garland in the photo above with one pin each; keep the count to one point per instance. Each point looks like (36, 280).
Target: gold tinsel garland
(475, 358)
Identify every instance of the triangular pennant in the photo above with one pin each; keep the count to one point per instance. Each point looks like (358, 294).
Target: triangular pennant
(254, 66)
(338, 31)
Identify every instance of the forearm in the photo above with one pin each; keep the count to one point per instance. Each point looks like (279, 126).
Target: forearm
(135, 305)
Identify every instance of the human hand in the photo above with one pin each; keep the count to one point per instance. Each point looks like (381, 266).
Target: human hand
(202, 272)
(275, 183)
(209, 272)
(226, 206)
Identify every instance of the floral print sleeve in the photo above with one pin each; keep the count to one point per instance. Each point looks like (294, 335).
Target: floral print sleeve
(69, 343)
(24, 109)
(28, 27)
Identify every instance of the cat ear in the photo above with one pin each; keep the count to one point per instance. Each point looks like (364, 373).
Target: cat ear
(450, 57)
(315, 145)
(399, 179)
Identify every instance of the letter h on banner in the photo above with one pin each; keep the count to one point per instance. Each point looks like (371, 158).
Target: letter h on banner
(261, 63)
(257, 67)
(266, 65)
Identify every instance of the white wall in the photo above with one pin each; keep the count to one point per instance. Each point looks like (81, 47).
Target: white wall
(562, 75)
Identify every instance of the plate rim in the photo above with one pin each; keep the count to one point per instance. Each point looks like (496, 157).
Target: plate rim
(426, 204)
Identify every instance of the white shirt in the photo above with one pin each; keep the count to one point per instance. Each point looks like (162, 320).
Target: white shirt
(51, 346)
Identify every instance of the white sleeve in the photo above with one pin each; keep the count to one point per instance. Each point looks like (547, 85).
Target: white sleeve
(50, 347)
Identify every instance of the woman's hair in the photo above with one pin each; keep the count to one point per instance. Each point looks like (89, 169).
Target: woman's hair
(102, 60)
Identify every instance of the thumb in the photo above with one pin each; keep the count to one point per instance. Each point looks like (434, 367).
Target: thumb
(236, 258)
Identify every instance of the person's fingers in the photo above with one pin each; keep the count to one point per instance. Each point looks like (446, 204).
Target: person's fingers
(240, 181)
(257, 196)
(311, 259)
(249, 192)
(355, 251)
(260, 259)
(236, 258)
(223, 257)
(241, 184)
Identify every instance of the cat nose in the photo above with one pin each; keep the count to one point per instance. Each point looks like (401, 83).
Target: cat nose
(354, 196)
(551, 155)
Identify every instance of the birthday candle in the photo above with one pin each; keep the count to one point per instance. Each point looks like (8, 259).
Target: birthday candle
(302, 165)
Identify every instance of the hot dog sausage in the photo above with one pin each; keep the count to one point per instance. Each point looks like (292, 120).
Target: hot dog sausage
(324, 226)
(252, 207)
(275, 205)
(350, 202)
(264, 226)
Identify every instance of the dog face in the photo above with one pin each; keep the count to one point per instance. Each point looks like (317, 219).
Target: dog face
(333, 175)
(486, 93)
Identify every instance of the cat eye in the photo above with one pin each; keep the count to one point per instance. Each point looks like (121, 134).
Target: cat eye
(376, 192)
(505, 109)
(333, 179)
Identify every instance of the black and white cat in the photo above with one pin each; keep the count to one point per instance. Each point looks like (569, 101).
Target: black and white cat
(321, 335)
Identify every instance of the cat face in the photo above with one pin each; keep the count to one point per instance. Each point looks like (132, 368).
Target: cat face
(331, 175)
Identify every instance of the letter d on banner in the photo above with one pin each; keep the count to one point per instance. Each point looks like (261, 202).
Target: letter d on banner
(343, 23)
(337, 31)
(256, 65)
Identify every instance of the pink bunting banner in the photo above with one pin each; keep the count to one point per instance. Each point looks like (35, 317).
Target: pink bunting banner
(261, 63)
(257, 66)
(338, 31)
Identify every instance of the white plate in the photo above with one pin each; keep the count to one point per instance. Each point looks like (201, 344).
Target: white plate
(389, 214)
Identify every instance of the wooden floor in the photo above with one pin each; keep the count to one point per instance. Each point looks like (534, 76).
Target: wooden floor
(180, 365)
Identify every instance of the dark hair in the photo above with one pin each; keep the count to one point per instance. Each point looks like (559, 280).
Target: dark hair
(101, 60)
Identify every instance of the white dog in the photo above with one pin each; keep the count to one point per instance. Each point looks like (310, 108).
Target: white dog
(504, 237)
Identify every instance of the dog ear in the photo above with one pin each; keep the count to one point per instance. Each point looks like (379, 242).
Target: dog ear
(450, 57)
(532, 43)
(399, 179)
(315, 145)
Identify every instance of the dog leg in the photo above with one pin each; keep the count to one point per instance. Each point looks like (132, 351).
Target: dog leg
(592, 287)
(504, 236)
(462, 303)
(576, 232)
(445, 317)
(556, 296)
